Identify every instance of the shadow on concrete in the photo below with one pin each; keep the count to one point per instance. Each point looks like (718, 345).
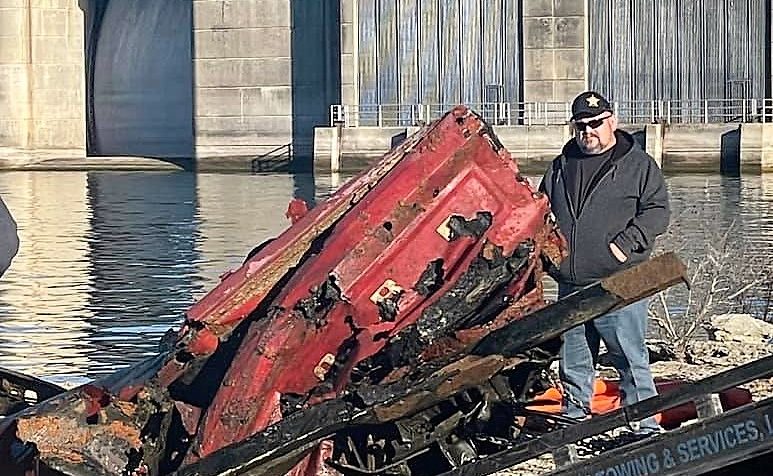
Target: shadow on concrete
(397, 139)
(139, 79)
(730, 153)
(316, 73)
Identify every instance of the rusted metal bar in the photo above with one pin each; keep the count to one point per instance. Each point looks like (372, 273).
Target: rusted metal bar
(607, 295)
(435, 381)
(719, 442)
(531, 449)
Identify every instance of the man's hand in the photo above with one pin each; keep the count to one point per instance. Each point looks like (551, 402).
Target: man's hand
(621, 257)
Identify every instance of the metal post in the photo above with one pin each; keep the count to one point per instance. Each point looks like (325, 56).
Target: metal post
(528, 114)
(652, 109)
(743, 110)
(413, 116)
(509, 113)
(380, 116)
(705, 111)
(565, 455)
(708, 406)
(668, 112)
(335, 150)
(332, 114)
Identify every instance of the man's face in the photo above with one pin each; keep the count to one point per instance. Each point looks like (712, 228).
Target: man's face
(595, 134)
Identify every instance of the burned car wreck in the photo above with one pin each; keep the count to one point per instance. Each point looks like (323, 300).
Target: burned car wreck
(397, 328)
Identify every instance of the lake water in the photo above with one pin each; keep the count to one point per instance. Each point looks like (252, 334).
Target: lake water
(109, 261)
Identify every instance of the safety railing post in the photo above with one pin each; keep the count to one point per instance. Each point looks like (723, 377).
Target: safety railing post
(652, 112)
(380, 116)
(528, 114)
(705, 111)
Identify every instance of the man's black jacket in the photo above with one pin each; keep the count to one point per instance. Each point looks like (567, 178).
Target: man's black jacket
(627, 204)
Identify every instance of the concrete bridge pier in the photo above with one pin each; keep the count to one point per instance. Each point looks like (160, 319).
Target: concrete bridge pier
(42, 70)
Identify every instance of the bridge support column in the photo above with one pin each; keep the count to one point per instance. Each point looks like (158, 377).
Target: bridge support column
(42, 74)
(242, 78)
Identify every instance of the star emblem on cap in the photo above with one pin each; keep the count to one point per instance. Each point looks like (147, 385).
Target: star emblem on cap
(593, 101)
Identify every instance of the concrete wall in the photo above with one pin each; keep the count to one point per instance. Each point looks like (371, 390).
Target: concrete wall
(265, 73)
(532, 146)
(756, 148)
(683, 147)
(699, 147)
(15, 110)
(358, 146)
(42, 74)
(242, 76)
(554, 45)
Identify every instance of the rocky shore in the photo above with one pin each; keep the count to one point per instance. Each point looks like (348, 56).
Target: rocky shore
(732, 340)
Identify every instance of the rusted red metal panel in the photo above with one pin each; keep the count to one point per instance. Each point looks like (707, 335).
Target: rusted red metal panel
(413, 246)
(344, 303)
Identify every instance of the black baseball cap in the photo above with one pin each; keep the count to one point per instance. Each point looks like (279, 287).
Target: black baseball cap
(589, 104)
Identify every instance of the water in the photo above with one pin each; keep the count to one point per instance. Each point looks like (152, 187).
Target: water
(109, 261)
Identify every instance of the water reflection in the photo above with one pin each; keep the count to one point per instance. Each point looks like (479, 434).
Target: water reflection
(236, 212)
(44, 296)
(142, 241)
(109, 261)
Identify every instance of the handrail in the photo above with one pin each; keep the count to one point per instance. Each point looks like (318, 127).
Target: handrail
(280, 155)
(718, 110)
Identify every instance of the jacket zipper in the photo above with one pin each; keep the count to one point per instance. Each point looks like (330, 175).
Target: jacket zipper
(606, 174)
(573, 233)
(575, 218)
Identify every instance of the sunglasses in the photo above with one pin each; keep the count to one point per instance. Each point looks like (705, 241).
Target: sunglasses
(594, 124)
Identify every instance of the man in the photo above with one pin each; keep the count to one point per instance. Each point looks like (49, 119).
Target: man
(610, 200)
(9, 239)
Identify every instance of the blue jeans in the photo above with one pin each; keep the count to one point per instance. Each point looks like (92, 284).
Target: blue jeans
(623, 332)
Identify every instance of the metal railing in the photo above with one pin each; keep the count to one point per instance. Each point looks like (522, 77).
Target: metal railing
(557, 113)
(274, 159)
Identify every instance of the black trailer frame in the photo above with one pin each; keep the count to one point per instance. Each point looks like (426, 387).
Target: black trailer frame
(711, 443)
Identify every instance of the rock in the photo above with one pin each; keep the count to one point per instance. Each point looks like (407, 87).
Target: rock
(741, 328)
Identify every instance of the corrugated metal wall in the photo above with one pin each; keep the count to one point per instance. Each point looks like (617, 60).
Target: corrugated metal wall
(678, 49)
(438, 51)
